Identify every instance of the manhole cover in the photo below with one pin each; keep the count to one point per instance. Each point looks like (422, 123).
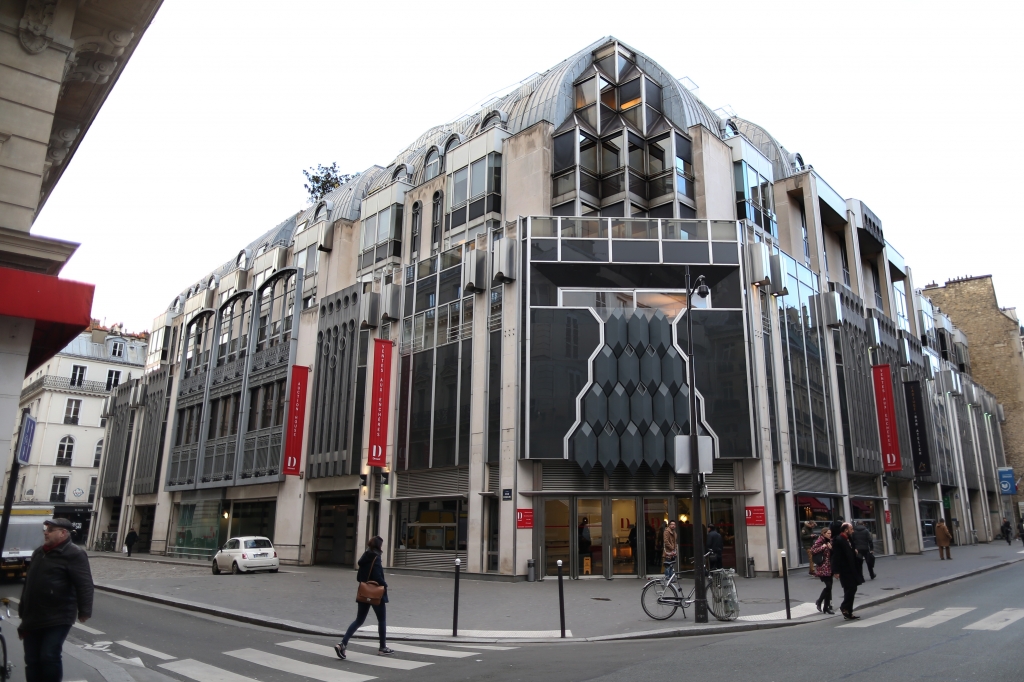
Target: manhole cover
(600, 598)
(759, 600)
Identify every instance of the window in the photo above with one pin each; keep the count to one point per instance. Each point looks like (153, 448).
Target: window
(117, 349)
(845, 258)
(453, 142)
(98, 453)
(432, 166)
(113, 378)
(435, 218)
(59, 489)
(92, 490)
(65, 451)
(77, 375)
(241, 261)
(417, 224)
(877, 283)
(300, 260)
(71, 410)
(477, 178)
(459, 186)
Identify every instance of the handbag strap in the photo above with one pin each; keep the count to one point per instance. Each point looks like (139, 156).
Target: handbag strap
(369, 572)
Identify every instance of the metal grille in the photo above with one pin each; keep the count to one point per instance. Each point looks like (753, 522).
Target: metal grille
(813, 480)
(118, 440)
(561, 474)
(151, 443)
(865, 486)
(724, 479)
(493, 478)
(425, 559)
(450, 481)
(643, 479)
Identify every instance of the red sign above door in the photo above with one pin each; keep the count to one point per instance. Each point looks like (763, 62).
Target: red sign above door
(755, 516)
(524, 518)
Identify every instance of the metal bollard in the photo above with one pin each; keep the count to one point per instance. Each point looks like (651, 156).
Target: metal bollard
(561, 599)
(455, 615)
(785, 583)
(531, 571)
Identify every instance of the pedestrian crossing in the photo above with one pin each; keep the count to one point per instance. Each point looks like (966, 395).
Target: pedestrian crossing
(991, 623)
(303, 659)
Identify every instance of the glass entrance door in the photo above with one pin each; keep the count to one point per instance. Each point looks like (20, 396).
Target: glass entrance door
(897, 528)
(656, 518)
(589, 537)
(556, 537)
(623, 537)
(335, 541)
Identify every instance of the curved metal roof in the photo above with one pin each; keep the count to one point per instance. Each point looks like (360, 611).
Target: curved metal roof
(783, 162)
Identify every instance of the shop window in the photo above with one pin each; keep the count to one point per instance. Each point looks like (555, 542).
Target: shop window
(431, 525)
(813, 514)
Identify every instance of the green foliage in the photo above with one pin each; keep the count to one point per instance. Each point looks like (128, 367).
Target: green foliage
(323, 179)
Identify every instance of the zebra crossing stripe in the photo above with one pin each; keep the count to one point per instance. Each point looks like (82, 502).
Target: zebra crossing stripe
(881, 618)
(354, 656)
(998, 620)
(295, 667)
(422, 651)
(201, 672)
(937, 618)
(145, 650)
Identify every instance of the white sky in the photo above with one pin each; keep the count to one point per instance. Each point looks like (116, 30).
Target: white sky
(200, 147)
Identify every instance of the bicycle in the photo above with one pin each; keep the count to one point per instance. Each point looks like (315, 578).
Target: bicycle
(8, 667)
(661, 597)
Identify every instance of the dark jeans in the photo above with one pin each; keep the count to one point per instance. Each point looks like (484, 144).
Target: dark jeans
(826, 594)
(869, 558)
(364, 608)
(129, 549)
(715, 561)
(849, 592)
(42, 653)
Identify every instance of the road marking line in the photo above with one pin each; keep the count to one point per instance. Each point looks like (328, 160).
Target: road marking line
(998, 620)
(883, 618)
(201, 672)
(146, 650)
(490, 634)
(798, 611)
(290, 665)
(354, 656)
(487, 648)
(86, 628)
(937, 618)
(423, 651)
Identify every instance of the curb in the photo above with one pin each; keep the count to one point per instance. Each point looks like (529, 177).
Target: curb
(691, 631)
(170, 562)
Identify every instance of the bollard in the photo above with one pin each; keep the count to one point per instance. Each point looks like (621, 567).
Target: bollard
(455, 616)
(785, 583)
(561, 599)
(531, 571)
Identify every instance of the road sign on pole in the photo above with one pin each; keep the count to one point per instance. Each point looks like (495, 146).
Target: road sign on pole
(1007, 481)
(28, 432)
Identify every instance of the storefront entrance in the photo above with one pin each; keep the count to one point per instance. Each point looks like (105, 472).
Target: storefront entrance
(814, 513)
(335, 539)
(146, 515)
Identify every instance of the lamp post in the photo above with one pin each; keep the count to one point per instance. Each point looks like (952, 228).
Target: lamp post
(700, 601)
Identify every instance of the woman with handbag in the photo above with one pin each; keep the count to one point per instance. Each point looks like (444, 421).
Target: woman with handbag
(822, 553)
(372, 592)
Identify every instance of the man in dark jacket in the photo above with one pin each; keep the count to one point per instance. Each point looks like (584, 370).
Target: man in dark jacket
(131, 539)
(1007, 531)
(58, 589)
(864, 546)
(844, 567)
(716, 546)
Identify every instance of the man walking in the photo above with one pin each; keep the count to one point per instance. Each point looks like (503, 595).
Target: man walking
(844, 567)
(942, 539)
(864, 546)
(670, 545)
(1007, 530)
(131, 539)
(715, 545)
(58, 589)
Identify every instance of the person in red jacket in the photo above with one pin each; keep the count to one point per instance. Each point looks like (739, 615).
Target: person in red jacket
(822, 553)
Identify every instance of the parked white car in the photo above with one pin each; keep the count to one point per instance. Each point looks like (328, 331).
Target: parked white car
(245, 554)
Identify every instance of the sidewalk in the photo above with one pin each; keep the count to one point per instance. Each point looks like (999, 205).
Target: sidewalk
(319, 600)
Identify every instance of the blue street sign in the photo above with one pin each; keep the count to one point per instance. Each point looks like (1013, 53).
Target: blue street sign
(28, 432)
(1007, 482)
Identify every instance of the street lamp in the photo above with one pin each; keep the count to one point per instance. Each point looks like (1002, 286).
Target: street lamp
(700, 601)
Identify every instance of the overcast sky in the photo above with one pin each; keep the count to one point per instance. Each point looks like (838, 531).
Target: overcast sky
(200, 147)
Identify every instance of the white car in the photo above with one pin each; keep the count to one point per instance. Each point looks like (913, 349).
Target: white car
(245, 554)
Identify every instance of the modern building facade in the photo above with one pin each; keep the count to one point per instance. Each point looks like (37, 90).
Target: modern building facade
(493, 333)
(66, 396)
(58, 63)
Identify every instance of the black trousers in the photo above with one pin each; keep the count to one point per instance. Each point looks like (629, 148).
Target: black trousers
(362, 610)
(869, 558)
(826, 594)
(43, 653)
(849, 592)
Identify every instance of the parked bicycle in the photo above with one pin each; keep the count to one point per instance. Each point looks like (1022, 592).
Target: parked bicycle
(662, 597)
(8, 667)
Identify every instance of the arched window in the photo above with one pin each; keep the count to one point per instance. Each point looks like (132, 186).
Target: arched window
(262, 250)
(452, 143)
(401, 173)
(212, 284)
(435, 218)
(98, 453)
(432, 166)
(241, 260)
(65, 449)
(417, 223)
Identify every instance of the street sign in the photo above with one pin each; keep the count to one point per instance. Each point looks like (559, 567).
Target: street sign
(28, 432)
(506, 494)
(755, 516)
(705, 454)
(1007, 482)
(524, 518)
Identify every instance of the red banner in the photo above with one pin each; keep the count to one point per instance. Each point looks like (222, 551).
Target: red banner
(886, 408)
(380, 403)
(524, 518)
(755, 516)
(296, 420)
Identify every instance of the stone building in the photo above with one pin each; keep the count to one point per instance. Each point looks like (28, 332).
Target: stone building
(480, 351)
(997, 357)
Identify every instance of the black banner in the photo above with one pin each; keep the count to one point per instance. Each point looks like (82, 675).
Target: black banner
(918, 428)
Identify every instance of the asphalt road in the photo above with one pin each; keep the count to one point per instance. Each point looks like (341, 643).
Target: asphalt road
(972, 629)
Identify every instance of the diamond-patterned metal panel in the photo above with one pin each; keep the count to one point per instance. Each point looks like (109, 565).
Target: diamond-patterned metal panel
(585, 447)
(660, 332)
(682, 408)
(608, 450)
(662, 410)
(616, 332)
(631, 448)
(654, 448)
(640, 409)
(618, 408)
(638, 332)
(650, 369)
(673, 372)
(606, 370)
(629, 370)
(595, 408)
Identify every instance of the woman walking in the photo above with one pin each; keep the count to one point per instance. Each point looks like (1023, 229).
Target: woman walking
(370, 571)
(822, 553)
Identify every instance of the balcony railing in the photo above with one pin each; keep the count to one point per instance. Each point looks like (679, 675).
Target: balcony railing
(69, 384)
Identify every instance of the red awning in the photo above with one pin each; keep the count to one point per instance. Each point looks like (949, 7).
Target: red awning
(61, 309)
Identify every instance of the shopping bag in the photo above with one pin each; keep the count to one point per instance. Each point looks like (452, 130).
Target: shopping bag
(124, 549)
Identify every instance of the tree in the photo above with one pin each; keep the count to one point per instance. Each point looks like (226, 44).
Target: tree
(323, 179)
